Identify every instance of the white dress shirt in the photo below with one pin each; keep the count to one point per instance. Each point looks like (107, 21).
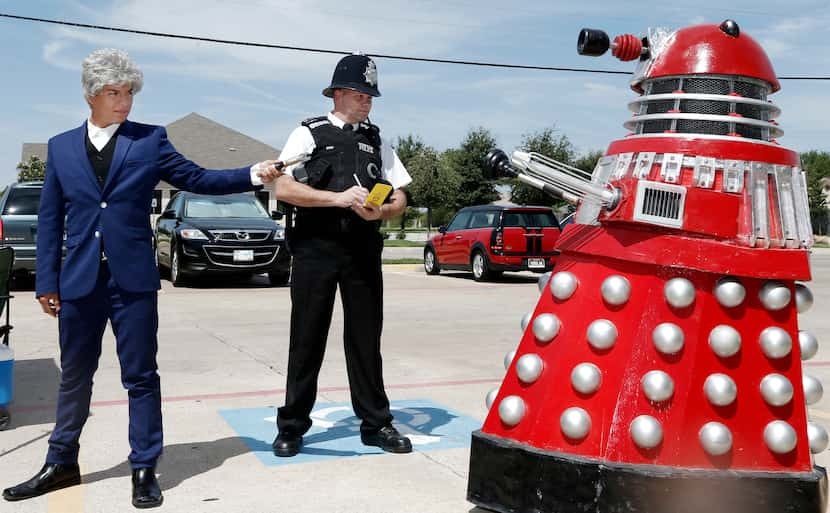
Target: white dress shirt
(99, 137)
(301, 141)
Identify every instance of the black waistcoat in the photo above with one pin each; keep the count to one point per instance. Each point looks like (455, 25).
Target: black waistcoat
(101, 160)
(341, 158)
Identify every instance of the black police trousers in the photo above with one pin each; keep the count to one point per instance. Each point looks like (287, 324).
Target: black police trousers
(320, 266)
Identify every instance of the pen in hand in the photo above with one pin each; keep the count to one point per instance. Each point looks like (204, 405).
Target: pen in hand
(356, 179)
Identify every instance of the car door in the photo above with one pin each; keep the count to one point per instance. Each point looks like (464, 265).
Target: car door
(513, 233)
(480, 230)
(451, 243)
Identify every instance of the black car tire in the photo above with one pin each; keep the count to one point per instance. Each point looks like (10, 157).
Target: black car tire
(176, 274)
(431, 262)
(5, 419)
(162, 269)
(480, 266)
(279, 278)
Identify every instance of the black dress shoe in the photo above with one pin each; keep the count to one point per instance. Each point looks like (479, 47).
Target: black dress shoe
(387, 438)
(287, 444)
(50, 478)
(146, 490)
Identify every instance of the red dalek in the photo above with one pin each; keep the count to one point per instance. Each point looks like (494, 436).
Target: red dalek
(661, 371)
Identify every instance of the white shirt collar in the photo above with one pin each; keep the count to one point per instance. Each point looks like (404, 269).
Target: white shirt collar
(339, 123)
(99, 137)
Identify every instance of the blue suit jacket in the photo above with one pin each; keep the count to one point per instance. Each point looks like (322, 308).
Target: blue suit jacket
(114, 218)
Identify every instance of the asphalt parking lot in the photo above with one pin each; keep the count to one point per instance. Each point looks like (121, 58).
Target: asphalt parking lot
(222, 358)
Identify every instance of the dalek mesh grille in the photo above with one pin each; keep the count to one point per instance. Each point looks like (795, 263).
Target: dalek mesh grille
(751, 132)
(752, 111)
(750, 90)
(706, 85)
(704, 107)
(728, 93)
(655, 127)
(700, 126)
(665, 86)
(659, 107)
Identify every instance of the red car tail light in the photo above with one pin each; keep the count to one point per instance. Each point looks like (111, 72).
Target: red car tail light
(497, 242)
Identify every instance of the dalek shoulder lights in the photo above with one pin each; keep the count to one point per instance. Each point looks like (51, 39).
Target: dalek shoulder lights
(661, 368)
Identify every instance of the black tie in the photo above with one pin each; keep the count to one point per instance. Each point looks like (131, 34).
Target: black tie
(347, 127)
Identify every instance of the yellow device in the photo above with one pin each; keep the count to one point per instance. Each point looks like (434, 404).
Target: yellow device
(378, 195)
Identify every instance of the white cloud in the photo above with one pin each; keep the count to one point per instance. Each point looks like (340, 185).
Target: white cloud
(377, 27)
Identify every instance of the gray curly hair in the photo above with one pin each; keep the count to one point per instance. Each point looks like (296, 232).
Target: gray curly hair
(108, 66)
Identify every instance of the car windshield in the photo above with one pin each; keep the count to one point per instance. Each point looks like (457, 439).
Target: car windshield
(23, 201)
(535, 219)
(224, 207)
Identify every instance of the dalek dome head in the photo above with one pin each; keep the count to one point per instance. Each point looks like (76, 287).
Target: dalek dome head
(710, 49)
(704, 50)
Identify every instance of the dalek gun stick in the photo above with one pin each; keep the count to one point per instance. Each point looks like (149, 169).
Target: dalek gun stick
(551, 176)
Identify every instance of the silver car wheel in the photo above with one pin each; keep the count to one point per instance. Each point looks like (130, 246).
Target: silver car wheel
(478, 266)
(174, 267)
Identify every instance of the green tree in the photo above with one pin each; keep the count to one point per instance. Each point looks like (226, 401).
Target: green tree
(589, 161)
(816, 164)
(434, 184)
(34, 169)
(468, 162)
(407, 147)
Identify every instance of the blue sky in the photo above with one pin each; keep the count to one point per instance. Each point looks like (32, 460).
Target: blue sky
(265, 92)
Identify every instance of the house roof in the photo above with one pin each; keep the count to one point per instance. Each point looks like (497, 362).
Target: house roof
(202, 140)
(215, 146)
(38, 150)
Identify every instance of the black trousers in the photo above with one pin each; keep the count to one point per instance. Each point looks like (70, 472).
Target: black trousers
(321, 265)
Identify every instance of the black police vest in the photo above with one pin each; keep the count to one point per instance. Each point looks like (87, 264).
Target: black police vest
(340, 159)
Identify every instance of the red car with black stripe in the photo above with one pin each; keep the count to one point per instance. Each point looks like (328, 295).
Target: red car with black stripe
(491, 239)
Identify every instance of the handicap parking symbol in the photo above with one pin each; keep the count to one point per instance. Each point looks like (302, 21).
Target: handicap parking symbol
(335, 431)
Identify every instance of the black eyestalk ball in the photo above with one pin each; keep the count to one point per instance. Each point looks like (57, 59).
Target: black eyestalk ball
(731, 28)
(497, 165)
(592, 42)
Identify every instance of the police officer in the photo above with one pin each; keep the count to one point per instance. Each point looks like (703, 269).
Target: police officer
(335, 241)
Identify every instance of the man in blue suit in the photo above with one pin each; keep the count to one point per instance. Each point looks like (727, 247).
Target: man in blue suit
(98, 190)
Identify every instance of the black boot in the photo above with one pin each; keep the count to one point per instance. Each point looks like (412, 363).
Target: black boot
(387, 438)
(146, 490)
(50, 478)
(287, 444)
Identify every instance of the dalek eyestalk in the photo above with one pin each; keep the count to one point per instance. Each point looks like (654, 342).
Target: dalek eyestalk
(625, 47)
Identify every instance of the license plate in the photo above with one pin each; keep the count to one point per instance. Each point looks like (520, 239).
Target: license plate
(535, 263)
(243, 255)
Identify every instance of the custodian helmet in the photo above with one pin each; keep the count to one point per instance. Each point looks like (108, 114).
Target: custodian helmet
(356, 72)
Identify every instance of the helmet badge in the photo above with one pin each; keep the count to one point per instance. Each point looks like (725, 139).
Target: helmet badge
(371, 74)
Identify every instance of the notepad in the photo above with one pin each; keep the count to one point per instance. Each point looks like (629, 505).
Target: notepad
(378, 195)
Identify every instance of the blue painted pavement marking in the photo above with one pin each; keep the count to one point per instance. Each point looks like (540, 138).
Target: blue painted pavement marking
(335, 432)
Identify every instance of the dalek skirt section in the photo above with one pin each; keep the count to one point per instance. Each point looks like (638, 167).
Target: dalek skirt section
(662, 380)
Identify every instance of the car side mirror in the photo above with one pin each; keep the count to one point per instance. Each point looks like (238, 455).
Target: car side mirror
(168, 214)
(442, 229)
(276, 215)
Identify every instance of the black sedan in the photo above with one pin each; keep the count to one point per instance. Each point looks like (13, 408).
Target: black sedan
(231, 234)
